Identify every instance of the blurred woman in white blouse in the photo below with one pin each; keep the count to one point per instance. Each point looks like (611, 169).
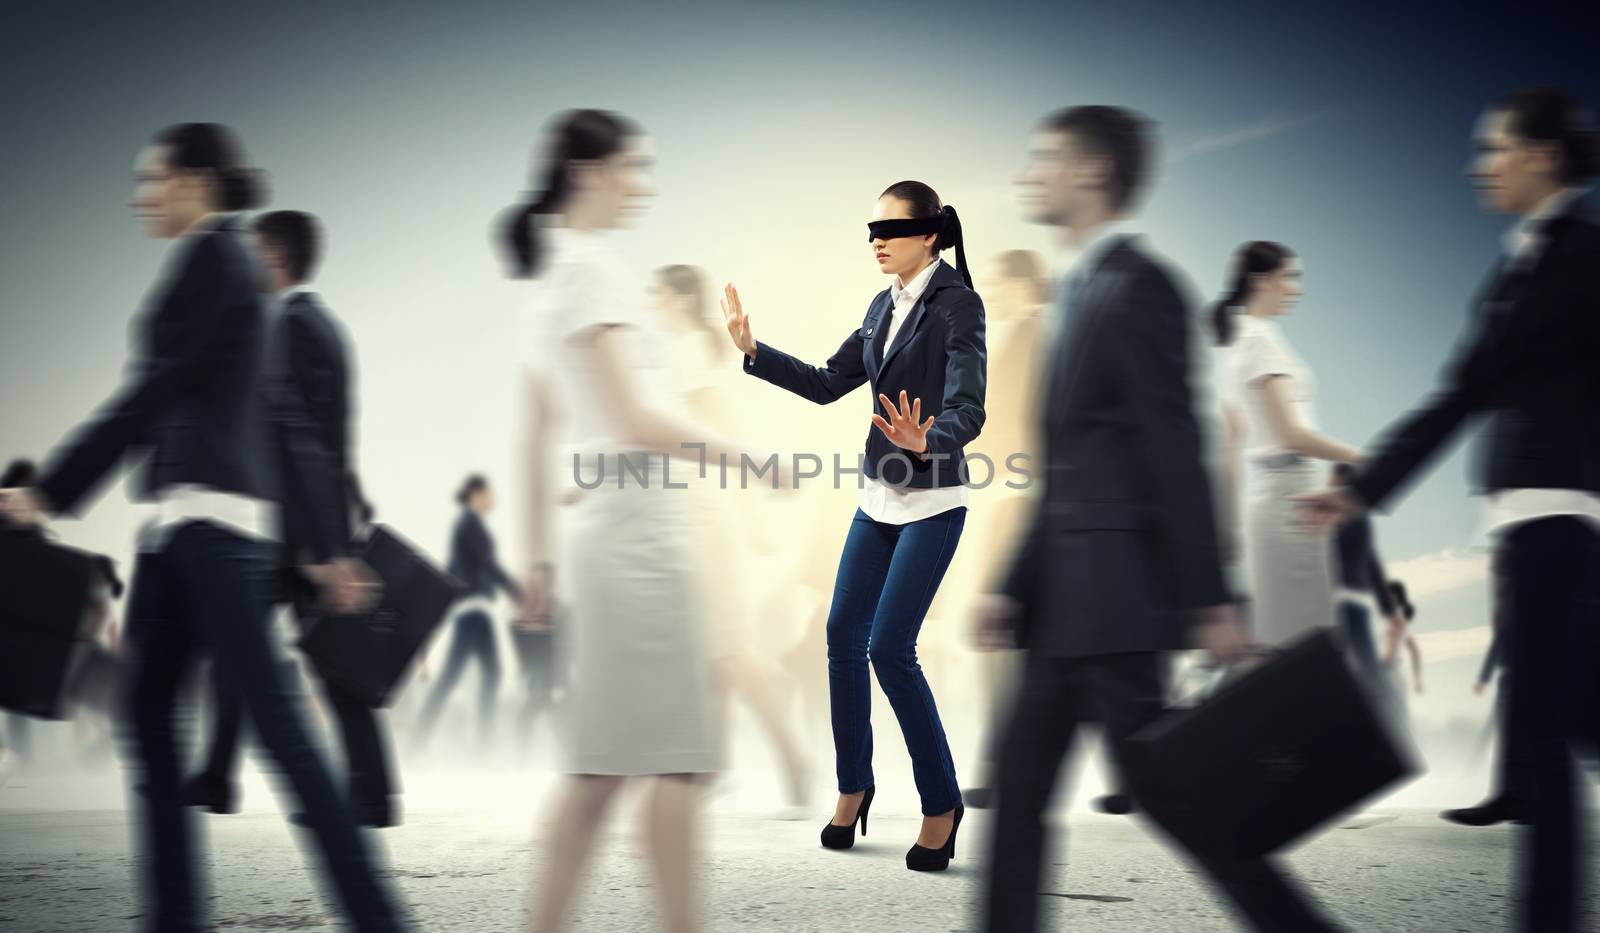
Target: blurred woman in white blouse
(1268, 398)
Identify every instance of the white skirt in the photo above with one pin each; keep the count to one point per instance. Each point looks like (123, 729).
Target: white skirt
(638, 700)
(1290, 570)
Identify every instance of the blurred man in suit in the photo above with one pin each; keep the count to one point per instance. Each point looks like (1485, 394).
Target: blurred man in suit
(317, 362)
(1121, 562)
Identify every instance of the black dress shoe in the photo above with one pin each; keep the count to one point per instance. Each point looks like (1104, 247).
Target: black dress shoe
(1490, 812)
(1114, 804)
(372, 815)
(379, 815)
(920, 858)
(843, 837)
(210, 793)
(978, 798)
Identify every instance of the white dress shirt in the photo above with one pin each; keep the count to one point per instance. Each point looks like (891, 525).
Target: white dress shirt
(884, 502)
(1510, 507)
(180, 503)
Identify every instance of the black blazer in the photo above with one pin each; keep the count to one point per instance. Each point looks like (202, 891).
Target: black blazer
(197, 397)
(1123, 542)
(938, 356)
(318, 365)
(473, 561)
(1531, 364)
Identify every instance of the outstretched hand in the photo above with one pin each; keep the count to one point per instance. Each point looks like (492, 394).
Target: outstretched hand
(738, 322)
(904, 425)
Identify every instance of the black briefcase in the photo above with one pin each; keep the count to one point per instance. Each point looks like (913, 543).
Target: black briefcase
(367, 655)
(1284, 748)
(44, 598)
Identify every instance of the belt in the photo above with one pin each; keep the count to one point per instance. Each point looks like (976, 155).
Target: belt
(1280, 461)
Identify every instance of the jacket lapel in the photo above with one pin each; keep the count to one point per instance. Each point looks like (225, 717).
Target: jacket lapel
(872, 330)
(1085, 318)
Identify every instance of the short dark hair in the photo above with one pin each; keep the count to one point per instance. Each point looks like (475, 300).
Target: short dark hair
(299, 236)
(1548, 115)
(1115, 133)
(20, 473)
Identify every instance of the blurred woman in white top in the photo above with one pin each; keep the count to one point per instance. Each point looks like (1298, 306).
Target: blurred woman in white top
(725, 536)
(603, 536)
(1268, 398)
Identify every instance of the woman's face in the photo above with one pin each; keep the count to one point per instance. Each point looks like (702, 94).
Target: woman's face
(482, 501)
(670, 306)
(904, 255)
(166, 200)
(621, 183)
(1282, 289)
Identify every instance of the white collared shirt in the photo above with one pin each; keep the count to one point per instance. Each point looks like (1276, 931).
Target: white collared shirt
(1511, 507)
(178, 504)
(882, 501)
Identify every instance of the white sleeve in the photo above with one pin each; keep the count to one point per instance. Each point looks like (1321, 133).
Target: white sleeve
(591, 295)
(1257, 356)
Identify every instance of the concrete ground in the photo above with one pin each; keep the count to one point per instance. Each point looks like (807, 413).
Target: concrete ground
(471, 870)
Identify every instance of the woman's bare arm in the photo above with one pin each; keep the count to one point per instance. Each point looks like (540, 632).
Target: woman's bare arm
(1290, 432)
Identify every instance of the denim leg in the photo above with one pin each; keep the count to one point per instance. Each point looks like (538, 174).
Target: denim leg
(161, 650)
(920, 559)
(227, 584)
(863, 566)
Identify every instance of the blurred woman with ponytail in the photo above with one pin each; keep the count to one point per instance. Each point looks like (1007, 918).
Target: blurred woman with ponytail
(1269, 422)
(920, 345)
(597, 428)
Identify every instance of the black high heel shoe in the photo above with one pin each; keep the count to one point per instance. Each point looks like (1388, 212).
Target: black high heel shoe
(843, 837)
(921, 858)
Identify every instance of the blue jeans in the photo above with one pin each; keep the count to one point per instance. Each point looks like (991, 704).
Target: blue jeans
(212, 591)
(887, 577)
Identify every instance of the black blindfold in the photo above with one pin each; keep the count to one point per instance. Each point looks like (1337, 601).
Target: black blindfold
(894, 229)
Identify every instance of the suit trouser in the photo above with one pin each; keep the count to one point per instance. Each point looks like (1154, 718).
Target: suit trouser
(1553, 592)
(1125, 692)
(365, 746)
(474, 636)
(211, 591)
(536, 655)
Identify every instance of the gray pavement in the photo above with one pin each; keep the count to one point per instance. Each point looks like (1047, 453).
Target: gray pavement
(1401, 870)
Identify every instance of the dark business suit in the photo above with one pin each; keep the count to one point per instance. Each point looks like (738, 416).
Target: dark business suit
(1360, 570)
(198, 398)
(473, 562)
(888, 573)
(314, 352)
(1529, 367)
(1120, 552)
(941, 356)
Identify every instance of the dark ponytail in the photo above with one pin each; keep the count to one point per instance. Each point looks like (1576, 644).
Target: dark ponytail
(1397, 591)
(1257, 257)
(214, 148)
(577, 135)
(472, 484)
(1547, 115)
(922, 201)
